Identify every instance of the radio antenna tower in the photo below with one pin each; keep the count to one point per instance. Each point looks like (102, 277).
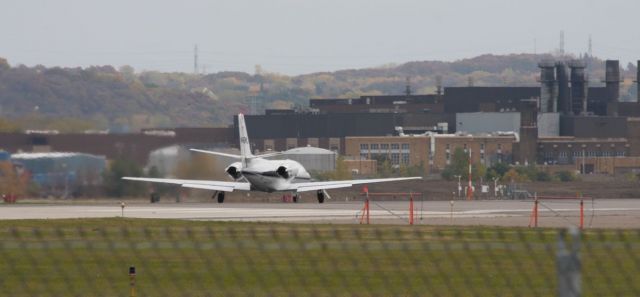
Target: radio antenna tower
(561, 43)
(590, 47)
(195, 59)
(407, 90)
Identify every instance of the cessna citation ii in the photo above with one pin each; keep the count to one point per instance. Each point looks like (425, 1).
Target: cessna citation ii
(257, 173)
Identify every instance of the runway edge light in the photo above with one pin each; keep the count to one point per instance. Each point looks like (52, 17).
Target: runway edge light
(132, 281)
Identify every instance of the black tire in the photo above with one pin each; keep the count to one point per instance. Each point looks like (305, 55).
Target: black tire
(320, 197)
(221, 197)
(295, 198)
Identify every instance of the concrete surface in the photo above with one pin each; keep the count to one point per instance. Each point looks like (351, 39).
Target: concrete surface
(604, 213)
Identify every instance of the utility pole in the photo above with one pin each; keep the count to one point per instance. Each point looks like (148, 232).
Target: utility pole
(459, 185)
(407, 90)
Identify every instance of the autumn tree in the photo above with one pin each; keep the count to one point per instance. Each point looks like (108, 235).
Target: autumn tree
(199, 166)
(460, 166)
(115, 186)
(11, 182)
(341, 172)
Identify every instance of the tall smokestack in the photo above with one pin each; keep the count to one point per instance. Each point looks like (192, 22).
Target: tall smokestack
(564, 104)
(612, 80)
(548, 87)
(638, 81)
(578, 87)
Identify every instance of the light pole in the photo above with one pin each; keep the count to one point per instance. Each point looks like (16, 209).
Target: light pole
(459, 185)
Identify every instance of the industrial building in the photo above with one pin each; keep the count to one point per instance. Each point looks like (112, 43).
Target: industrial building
(62, 173)
(563, 111)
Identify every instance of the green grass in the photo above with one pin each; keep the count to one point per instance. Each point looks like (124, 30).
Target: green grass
(90, 257)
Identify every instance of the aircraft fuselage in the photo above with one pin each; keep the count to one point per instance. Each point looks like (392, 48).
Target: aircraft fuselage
(273, 175)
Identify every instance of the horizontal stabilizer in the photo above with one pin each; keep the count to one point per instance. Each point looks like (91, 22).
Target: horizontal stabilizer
(270, 155)
(217, 153)
(267, 155)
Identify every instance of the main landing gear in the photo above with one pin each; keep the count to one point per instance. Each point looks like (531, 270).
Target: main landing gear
(320, 194)
(220, 196)
(295, 198)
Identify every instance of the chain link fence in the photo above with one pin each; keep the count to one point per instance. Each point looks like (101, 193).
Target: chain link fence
(259, 259)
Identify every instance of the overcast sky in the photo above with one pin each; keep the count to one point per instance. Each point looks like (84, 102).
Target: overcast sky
(303, 36)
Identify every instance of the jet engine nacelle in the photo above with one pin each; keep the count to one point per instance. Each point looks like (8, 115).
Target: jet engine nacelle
(234, 170)
(286, 173)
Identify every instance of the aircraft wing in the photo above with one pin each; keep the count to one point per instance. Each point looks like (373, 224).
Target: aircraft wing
(314, 186)
(197, 184)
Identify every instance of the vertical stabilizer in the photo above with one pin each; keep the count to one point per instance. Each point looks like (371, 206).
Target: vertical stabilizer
(245, 148)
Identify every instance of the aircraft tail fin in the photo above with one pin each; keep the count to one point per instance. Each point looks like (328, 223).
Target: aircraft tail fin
(245, 147)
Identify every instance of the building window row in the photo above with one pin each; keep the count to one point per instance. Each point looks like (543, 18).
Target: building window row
(396, 153)
(564, 155)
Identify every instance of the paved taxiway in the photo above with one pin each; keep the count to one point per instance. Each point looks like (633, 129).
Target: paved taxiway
(604, 213)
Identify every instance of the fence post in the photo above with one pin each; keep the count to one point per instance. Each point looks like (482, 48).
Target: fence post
(568, 264)
(535, 211)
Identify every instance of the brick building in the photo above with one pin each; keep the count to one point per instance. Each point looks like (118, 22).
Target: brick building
(432, 152)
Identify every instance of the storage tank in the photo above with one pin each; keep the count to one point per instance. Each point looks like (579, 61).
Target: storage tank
(548, 87)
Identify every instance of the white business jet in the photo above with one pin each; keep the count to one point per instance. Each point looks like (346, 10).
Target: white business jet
(256, 173)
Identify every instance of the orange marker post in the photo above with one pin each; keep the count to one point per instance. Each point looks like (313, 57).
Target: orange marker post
(410, 209)
(534, 213)
(366, 208)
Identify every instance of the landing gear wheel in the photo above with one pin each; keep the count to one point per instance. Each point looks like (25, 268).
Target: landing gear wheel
(220, 197)
(295, 198)
(320, 196)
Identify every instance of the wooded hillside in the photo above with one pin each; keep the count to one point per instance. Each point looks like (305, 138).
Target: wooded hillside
(72, 99)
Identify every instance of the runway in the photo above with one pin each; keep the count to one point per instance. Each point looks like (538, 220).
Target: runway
(604, 213)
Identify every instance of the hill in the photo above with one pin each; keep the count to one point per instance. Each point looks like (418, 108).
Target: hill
(104, 97)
